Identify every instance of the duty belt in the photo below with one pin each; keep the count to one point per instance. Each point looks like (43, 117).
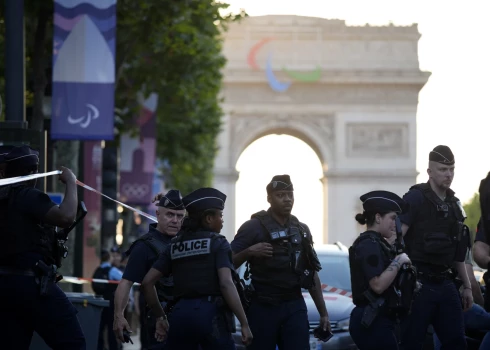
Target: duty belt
(15, 271)
(437, 277)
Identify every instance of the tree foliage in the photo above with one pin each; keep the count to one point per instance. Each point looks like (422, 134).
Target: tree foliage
(172, 48)
(473, 212)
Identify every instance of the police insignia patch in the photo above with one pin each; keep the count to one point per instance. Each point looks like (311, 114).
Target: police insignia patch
(274, 184)
(166, 202)
(190, 248)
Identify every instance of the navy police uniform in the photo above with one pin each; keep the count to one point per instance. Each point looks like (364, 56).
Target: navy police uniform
(200, 315)
(277, 314)
(143, 253)
(4, 150)
(25, 242)
(369, 256)
(434, 242)
(480, 236)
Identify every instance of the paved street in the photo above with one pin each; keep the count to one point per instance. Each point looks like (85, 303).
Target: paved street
(135, 346)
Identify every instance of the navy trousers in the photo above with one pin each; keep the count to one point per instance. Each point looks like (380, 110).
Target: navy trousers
(198, 322)
(285, 325)
(23, 311)
(438, 304)
(379, 335)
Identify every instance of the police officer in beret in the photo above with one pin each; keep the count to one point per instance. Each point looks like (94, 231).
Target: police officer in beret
(437, 242)
(142, 255)
(30, 299)
(374, 268)
(4, 150)
(278, 249)
(199, 259)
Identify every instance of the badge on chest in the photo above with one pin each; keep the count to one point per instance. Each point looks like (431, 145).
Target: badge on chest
(191, 248)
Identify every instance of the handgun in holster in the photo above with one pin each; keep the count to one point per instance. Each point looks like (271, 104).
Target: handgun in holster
(225, 310)
(372, 309)
(47, 278)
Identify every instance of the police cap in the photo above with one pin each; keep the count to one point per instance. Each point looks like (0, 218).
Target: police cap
(4, 150)
(172, 200)
(22, 157)
(203, 199)
(280, 183)
(442, 154)
(383, 201)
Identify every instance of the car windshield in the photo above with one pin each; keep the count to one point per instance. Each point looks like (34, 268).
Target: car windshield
(335, 271)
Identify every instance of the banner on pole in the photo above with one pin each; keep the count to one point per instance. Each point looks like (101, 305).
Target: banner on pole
(83, 70)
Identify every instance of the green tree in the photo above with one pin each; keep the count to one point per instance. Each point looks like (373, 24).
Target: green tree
(172, 48)
(473, 212)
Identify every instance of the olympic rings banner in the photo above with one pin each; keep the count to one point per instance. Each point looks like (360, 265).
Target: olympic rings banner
(272, 79)
(138, 157)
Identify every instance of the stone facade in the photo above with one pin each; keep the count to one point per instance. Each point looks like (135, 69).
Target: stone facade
(350, 92)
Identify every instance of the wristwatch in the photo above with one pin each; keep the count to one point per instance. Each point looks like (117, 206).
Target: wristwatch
(162, 318)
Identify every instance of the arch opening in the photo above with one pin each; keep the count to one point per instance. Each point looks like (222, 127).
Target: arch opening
(275, 155)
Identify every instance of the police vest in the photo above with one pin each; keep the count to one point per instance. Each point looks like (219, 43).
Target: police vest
(194, 265)
(25, 236)
(279, 271)
(358, 281)
(164, 285)
(434, 237)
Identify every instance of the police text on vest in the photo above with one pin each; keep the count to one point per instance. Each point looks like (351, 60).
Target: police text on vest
(191, 248)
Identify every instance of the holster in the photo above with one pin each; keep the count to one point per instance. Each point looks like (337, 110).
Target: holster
(47, 277)
(372, 309)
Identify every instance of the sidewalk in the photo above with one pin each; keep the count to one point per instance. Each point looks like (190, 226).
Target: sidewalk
(135, 346)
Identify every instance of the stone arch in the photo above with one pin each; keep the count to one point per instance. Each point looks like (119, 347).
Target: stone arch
(316, 131)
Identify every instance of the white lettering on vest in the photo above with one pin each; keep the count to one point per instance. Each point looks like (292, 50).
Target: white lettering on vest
(191, 248)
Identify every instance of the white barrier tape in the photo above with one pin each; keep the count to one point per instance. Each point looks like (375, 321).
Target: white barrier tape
(13, 180)
(120, 203)
(331, 289)
(81, 280)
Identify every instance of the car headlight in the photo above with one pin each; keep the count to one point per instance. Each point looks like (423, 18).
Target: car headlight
(343, 325)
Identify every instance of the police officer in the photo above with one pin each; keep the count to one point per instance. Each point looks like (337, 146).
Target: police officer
(29, 298)
(279, 251)
(4, 150)
(436, 241)
(374, 268)
(142, 255)
(200, 260)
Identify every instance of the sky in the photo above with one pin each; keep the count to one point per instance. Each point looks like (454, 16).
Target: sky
(453, 108)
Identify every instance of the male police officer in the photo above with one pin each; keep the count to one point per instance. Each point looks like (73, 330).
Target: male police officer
(275, 244)
(142, 255)
(436, 240)
(29, 298)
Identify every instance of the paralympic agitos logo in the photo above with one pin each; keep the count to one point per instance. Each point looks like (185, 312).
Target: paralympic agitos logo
(274, 83)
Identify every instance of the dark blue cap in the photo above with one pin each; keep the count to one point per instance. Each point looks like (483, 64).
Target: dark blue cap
(442, 154)
(203, 199)
(383, 201)
(4, 150)
(280, 183)
(22, 157)
(172, 200)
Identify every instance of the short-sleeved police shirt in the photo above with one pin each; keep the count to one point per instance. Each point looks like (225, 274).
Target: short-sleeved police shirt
(142, 257)
(371, 257)
(219, 247)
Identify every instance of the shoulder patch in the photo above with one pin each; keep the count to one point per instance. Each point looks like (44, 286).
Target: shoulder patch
(190, 248)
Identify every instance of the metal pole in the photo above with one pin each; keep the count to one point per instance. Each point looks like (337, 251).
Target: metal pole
(14, 61)
(79, 241)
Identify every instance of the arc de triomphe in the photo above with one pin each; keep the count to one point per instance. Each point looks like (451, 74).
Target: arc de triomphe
(349, 92)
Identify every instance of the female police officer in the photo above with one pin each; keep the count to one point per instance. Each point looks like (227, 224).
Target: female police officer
(374, 267)
(200, 262)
